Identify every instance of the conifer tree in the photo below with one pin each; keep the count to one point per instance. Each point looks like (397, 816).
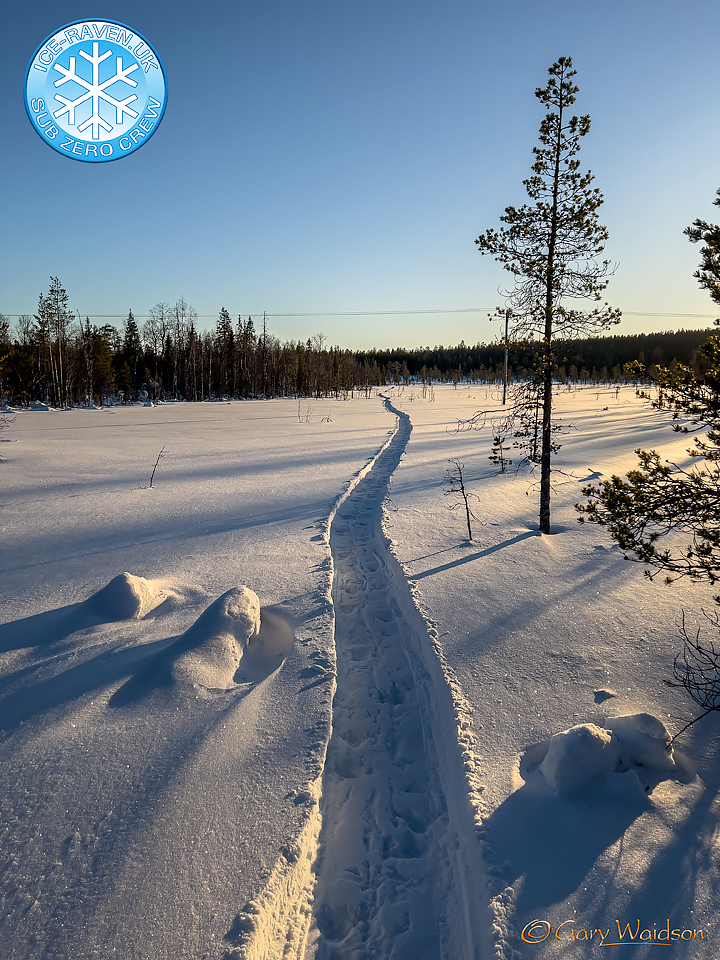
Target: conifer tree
(551, 246)
(225, 339)
(661, 498)
(708, 273)
(53, 318)
(131, 351)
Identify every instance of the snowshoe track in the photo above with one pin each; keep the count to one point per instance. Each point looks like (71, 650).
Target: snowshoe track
(385, 884)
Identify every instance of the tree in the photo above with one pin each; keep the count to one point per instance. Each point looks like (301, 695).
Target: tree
(708, 273)
(53, 318)
(661, 499)
(225, 339)
(455, 479)
(551, 248)
(131, 354)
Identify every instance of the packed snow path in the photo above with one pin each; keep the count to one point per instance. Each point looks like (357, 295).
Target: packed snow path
(385, 876)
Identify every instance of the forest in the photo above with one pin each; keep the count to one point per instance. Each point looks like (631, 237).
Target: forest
(55, 357)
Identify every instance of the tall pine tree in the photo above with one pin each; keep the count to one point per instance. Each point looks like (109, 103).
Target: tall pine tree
(551, 246)
(53, 318)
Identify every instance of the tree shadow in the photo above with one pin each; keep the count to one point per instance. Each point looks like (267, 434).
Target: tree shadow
(476, 556)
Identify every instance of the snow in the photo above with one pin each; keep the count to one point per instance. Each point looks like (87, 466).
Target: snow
(278, 705)
(586, 752)
(542, 634)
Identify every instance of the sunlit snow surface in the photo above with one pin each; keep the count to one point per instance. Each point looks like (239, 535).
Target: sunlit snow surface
(152, 787)
(167, 670)
(546, 633)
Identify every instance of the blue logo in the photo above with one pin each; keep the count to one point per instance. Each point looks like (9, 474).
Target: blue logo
(95, 90)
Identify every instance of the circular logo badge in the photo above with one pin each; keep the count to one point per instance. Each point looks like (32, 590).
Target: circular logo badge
(95, 90)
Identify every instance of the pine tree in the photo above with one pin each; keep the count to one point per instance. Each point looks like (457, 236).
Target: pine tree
(225, 338)
(53, 318)
(551, 247)
(660, 498)
(247, 340)
(131, 353)
(708, 273)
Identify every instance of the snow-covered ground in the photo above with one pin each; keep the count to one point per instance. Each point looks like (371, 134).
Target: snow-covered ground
(164, 790)
(545, 633)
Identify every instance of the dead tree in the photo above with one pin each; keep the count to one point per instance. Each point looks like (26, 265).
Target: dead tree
(697, 670)
(454, 477)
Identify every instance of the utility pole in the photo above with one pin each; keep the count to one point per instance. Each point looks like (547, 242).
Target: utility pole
(507, 313)
(264, 356)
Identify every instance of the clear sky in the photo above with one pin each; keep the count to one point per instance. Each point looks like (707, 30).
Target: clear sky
(327, 156)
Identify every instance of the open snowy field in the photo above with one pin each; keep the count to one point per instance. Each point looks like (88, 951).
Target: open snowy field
(351, 767)
(543, 633)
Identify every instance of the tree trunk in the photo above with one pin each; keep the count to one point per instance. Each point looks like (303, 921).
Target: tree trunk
(547, 346)
(546, 448)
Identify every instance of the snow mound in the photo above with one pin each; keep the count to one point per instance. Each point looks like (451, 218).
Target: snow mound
(577, 756)
(124, 598)
(214, 645)
(587, 752)
(644, 741)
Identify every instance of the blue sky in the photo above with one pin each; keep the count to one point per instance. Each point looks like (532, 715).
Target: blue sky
(322, 156)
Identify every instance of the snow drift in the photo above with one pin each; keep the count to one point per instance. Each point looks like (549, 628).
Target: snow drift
(125, 598)
(216, 642)
(587, 752)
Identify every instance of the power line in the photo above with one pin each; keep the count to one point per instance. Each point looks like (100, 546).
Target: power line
(367, 313)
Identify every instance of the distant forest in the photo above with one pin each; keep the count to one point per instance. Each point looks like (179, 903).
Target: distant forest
(594, 359)
(56, 358)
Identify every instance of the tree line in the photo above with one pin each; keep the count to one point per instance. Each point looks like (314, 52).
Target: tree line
(57, 358)
(588, 359)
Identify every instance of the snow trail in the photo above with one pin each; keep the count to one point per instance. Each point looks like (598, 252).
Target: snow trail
(388, 882)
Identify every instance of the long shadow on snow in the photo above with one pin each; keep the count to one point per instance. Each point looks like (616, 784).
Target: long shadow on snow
(476, 556)
(233, 470)
(140, 536)
(101, 671)
(669, 887)
(44, 628)
(54, 626)
(553, 842)
(147, 669)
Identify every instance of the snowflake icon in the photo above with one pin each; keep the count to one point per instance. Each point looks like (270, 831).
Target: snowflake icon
(96, 92)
